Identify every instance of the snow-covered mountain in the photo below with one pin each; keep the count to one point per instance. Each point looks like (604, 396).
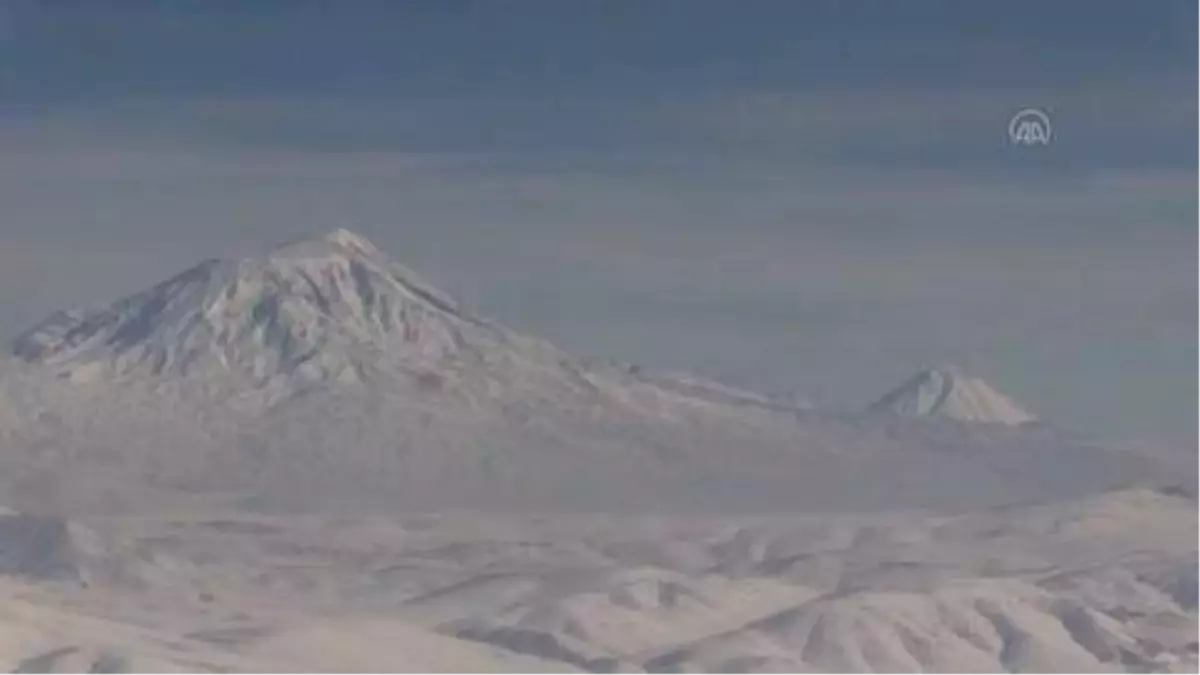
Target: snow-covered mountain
(323, 375)
(332, 307)
(948, 392)
(329, 309)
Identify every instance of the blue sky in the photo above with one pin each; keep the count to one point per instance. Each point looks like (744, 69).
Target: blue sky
(809, 196)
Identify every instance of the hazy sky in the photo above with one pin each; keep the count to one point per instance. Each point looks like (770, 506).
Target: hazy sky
(816, 197)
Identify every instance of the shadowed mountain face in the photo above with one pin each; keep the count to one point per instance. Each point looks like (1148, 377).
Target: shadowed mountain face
(322, 375)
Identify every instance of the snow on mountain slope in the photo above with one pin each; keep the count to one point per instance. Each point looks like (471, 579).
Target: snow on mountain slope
(607, 616)
(948, 392)
(327, 308)
(43, 632)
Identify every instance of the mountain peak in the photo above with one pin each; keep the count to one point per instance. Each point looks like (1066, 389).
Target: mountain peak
(347, 239)
(339, 241)
(947, 391)
(332, 305)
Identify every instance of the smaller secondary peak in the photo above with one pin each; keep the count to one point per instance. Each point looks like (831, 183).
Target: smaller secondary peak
(947, 391)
